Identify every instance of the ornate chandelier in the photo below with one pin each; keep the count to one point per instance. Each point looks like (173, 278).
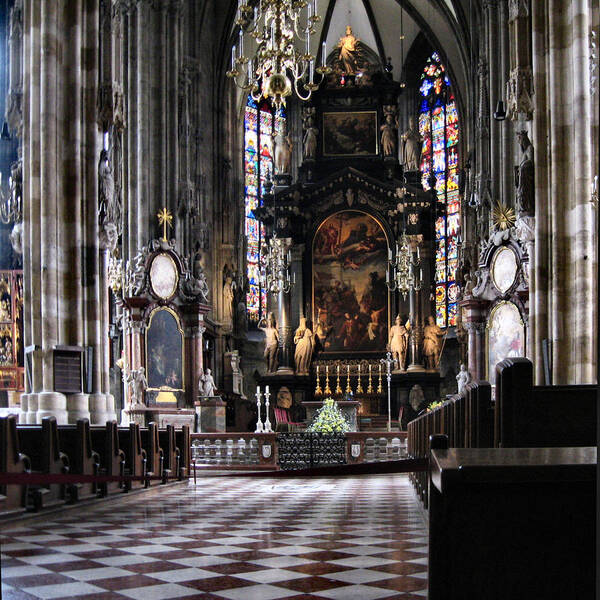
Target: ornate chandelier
(278, 259)
(402, 265)
(277, 66)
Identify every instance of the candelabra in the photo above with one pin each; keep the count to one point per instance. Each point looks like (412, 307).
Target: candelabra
(327, 390)
(338, 389)
(267, 424)
(276, 26)
(389, 361)
(276, 276)
(359, 389)
(348, 388)
(402, 263)
(379, 386)
(318, 390)
(259, 425)
(370, 386)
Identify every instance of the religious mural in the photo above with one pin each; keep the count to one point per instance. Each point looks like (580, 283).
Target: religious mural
(506, 335)
(164, 351)
(350, 297)
(349, 133)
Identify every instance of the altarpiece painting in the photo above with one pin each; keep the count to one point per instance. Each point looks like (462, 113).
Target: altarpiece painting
(505, 335)
(350, 297)
(164, 351)
(350, 133)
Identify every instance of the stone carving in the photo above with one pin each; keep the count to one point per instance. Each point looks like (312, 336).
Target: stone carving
(14, 100)
(462, 379)
(305, 343)
(16, 188)
(135, 273)
(412, 141)
(272, 341)
(432, 344)
(517, 8)
(309, 143)
(16, 237)
(108, 210)
(593, 61)
(228, 297)
(194, 286)
(108, 236)
(207, 387)
(389, 131)
(525, 177)
(398, 343)
(136, 380)
(282, 153)
(519, 89)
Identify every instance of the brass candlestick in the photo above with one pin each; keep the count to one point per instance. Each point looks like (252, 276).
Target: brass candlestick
(379, 386)
(338, 389)
(327, 390)
(359, 389)
(348, 388)
(318, 390)
(370, 386)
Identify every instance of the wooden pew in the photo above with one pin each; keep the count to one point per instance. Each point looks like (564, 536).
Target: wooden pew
(12, 497)
(76, 443)
(541, 416)
(172, 455)
(478, 416)
(41, 444)
(154, 452)
(135, 456)
(512, 523)
(183, 441)
(105, 440)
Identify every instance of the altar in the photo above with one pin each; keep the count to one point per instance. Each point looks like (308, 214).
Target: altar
(349, 409)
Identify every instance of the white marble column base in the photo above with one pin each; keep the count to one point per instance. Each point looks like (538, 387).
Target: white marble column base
(52, 404)
(78, 407)
(98, 413)
(110, 408)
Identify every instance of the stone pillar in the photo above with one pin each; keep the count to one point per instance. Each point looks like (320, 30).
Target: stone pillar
(474, 314)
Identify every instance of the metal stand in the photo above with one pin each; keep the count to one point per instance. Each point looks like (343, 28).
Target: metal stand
(259, 425)
(389, 361)
(267, 425)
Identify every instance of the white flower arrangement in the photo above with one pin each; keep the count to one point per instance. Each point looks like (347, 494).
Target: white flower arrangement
(329, 419)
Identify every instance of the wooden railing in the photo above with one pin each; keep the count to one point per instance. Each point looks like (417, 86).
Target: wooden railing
(260, 450)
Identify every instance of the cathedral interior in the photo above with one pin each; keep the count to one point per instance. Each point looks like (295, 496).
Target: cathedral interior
(352, 243)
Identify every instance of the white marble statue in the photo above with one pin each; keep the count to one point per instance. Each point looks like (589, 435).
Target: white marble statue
(272, 341)
(310, 138)
(412, 140)
(305, 343)
(137, 382)
(207, 387)
(462, 378)
(282, 153)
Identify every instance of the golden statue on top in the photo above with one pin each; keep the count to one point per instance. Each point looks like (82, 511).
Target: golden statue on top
(349, 52)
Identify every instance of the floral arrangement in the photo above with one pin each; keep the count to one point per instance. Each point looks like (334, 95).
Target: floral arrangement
(434, 405)
(329, 419)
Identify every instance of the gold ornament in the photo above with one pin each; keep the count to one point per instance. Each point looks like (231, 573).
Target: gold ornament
(503, 216)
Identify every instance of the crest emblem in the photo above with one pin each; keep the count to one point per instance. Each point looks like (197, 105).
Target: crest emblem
(355, 449)
(266, 450)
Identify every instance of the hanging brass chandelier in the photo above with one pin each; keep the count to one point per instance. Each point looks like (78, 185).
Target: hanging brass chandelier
(403, 265)
(277, 265)
(278, 66)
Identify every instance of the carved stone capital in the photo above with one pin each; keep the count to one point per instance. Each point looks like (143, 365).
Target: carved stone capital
(477, 328)
(516, 9)
(519, 91)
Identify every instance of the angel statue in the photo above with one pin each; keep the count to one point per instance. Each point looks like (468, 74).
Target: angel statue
(207, 384)
(349, 52)
(136, 380)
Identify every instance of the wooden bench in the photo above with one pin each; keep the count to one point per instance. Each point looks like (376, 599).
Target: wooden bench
(76, 443)
(135, 456)
(154, 453)
(42, 446)
(512, 523)
(172, 454)
(183, 441)
(105, 441)
(12, 497)
(282, 420)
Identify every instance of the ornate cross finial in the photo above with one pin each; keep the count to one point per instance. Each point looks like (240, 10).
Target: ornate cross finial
(165, 218)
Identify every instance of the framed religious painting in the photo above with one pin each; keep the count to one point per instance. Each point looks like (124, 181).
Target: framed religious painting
(350, 300)
(164, 352)
(505, 335)
(350, 133)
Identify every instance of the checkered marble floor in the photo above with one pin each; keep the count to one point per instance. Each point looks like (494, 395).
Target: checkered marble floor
(347, 538)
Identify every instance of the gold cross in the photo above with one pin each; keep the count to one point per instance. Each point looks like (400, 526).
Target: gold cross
(165, 218)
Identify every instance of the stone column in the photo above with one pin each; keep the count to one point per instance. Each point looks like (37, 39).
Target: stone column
(474, 312)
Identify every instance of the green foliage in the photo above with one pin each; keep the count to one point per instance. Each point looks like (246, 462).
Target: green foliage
(329, 419)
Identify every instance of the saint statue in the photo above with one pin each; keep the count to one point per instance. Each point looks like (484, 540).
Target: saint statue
(462, 378)
(272, 341)
(207, 384)
(432, 344)
(228, 295)
(412, 141)
(388, 135)
(282, 153)
(398, 343)
(138, 384)
(348, 52)
(310, 138)
(303, 338)
(525, 177)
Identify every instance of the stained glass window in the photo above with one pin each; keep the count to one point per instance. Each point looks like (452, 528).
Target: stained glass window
(260, 122)
(439, 128)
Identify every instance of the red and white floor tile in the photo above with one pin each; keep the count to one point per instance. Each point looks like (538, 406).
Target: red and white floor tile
(347, 538)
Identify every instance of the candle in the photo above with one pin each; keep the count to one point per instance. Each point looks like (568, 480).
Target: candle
(359, 368)
(338, 369)
(369, 369)
(233, 58)
(380, 368)
(324, 53)
(317, 371)
(389, 254)
(258, 390)
(267, 390)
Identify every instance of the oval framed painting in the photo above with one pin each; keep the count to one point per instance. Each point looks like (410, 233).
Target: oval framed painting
(505, 335)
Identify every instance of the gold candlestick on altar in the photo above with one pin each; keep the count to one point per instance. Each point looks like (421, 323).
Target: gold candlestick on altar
(338, 389)
(327, 390)
(359, 389)
(348, 388)
(379, 386)
(318, 390)
(370, 386)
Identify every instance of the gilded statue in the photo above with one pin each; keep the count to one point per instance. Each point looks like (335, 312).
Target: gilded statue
(411, 145)
(228, 296)
(305, 343)
(432, 344)
(349, 50)
(398, 343)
